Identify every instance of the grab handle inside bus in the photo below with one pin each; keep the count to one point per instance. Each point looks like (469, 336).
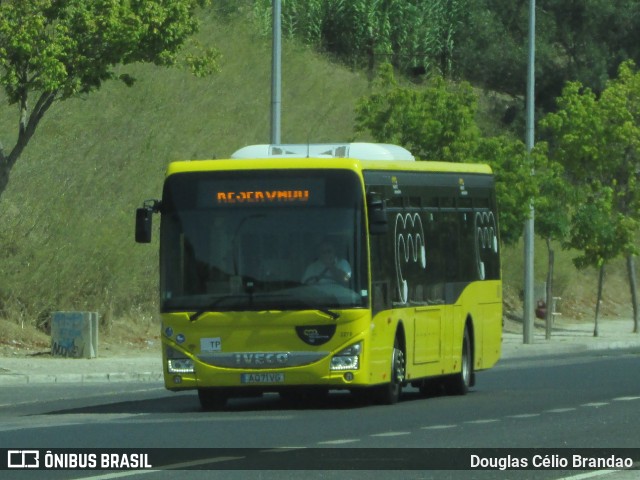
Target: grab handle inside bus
(377, 210)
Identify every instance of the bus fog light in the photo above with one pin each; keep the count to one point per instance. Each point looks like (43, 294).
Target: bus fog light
(180, 365)
(348, 376)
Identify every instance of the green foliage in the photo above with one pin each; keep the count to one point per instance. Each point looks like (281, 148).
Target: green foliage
(581, 41)
(72, 46)
(434, 122)
(554, 198)
(598, 140)
(437, 122)
(410, 34)
(515, 184)
(596, 37)
(599, 231)
(577, 132)
(52, 50)
(620, 109)
(202, 64)
(481, 41)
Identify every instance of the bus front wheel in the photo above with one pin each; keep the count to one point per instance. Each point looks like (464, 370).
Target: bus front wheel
(389, 393)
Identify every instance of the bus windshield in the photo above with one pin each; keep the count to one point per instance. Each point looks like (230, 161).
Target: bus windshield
(263, 240)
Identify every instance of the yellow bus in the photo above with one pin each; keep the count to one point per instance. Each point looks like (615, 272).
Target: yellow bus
(300, 269)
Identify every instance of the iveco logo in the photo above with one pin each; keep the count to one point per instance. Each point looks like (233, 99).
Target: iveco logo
(262, 358)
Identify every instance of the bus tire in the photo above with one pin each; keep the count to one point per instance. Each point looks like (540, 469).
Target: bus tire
(460, 383)
(389, 393)
(212, 399)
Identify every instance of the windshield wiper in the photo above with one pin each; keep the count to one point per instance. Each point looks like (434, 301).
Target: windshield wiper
(209, 307)
(333, 315)
(309, 305)
(295, 301)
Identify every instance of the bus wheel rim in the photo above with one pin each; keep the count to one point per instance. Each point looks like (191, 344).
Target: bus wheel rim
(398, 366)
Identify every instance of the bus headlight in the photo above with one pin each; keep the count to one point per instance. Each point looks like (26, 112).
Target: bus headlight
(347, 359)
(178, 363)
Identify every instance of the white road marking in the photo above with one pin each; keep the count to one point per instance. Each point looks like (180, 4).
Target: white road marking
(597, 473)
(390, 434)
(282, 449)
(162, 417)
(339, 442)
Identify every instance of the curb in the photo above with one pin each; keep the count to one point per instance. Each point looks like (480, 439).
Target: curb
(28, 379)
(511, 349)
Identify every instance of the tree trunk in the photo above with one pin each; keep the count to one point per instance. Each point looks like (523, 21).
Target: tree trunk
(599, 299)
(26, 128)
(631, 270)
(549, 292)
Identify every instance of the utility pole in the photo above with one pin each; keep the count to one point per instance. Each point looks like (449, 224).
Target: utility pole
(276, 72)
(528, 314)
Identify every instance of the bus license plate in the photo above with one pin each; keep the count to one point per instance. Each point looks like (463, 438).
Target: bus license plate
(262, 378)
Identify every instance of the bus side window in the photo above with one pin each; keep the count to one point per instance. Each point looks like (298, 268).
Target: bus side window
(449, 246)
(433, 279)
(468, 264)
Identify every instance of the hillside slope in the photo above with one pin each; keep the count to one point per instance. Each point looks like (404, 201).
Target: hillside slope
(66, 220)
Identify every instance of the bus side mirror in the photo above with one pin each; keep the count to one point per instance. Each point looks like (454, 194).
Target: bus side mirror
(378, 223)
(144, 220)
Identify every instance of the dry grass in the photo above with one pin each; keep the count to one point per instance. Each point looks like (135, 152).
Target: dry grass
(121, 338)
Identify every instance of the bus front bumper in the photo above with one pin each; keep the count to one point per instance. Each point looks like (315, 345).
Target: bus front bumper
(343, 372)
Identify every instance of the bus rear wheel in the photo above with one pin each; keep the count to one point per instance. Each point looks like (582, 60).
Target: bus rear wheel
(460, 383)
(389, 393)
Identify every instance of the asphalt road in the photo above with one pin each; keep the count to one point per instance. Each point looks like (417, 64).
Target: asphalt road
(587, 400)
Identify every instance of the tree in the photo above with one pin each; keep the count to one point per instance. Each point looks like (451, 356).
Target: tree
(437, 122)
(52, 50)
(553, 205)
(600, 233)
(515, 184)
(598, 141)
(575, 40)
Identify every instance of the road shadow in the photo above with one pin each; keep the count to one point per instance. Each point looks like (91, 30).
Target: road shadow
(187, 402)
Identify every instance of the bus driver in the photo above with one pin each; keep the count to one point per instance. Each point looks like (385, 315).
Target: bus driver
(328, 268)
